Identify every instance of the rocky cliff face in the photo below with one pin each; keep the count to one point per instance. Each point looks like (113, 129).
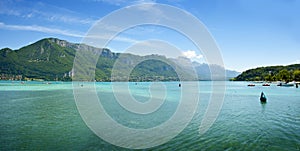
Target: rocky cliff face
(59, 42)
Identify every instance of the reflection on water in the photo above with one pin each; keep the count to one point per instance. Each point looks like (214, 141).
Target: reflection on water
(263, 106)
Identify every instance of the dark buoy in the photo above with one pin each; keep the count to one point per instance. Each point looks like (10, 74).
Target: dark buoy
(179, 85)
(263, 98)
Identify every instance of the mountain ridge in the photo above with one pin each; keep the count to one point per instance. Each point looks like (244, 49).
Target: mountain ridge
(52, 59)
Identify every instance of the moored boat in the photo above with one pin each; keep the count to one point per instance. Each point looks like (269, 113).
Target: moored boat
(290, 84)
(251, 85)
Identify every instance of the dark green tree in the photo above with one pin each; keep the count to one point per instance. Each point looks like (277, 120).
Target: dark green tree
(269, 77)
(284, 75)
(296, 75)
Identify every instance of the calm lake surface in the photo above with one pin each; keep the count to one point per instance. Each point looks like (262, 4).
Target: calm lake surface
(39, 116)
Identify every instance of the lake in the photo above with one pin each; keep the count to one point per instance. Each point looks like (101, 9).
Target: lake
(39, 116)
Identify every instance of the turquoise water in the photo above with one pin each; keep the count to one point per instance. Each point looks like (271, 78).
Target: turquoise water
(39, 116)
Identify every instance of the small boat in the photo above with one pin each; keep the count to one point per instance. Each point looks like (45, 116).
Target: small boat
(251, 85)
(263, 98)
(290, 84)
(266, 84)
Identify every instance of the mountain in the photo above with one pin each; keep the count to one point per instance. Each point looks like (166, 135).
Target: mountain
(52, 59)
(46, 59)
(271, 73)
(204, 71)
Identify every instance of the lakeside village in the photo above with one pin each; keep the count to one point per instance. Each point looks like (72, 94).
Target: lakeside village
(11, 77)
(69, 76)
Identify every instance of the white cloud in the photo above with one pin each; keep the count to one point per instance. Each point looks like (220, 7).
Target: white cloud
(110, 37)
(126, 39)
(191, 54)
(112, 2)
(64, 32)
(43, 11)
(125, 2)
(41, 29)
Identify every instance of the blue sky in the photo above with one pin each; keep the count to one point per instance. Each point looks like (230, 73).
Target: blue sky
(249, 33)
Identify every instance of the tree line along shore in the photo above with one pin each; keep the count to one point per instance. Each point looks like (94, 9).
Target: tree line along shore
(271, 73)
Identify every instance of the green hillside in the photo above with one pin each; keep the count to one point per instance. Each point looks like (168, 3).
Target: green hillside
(52, 59)
(44, 59)
(271, 73)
